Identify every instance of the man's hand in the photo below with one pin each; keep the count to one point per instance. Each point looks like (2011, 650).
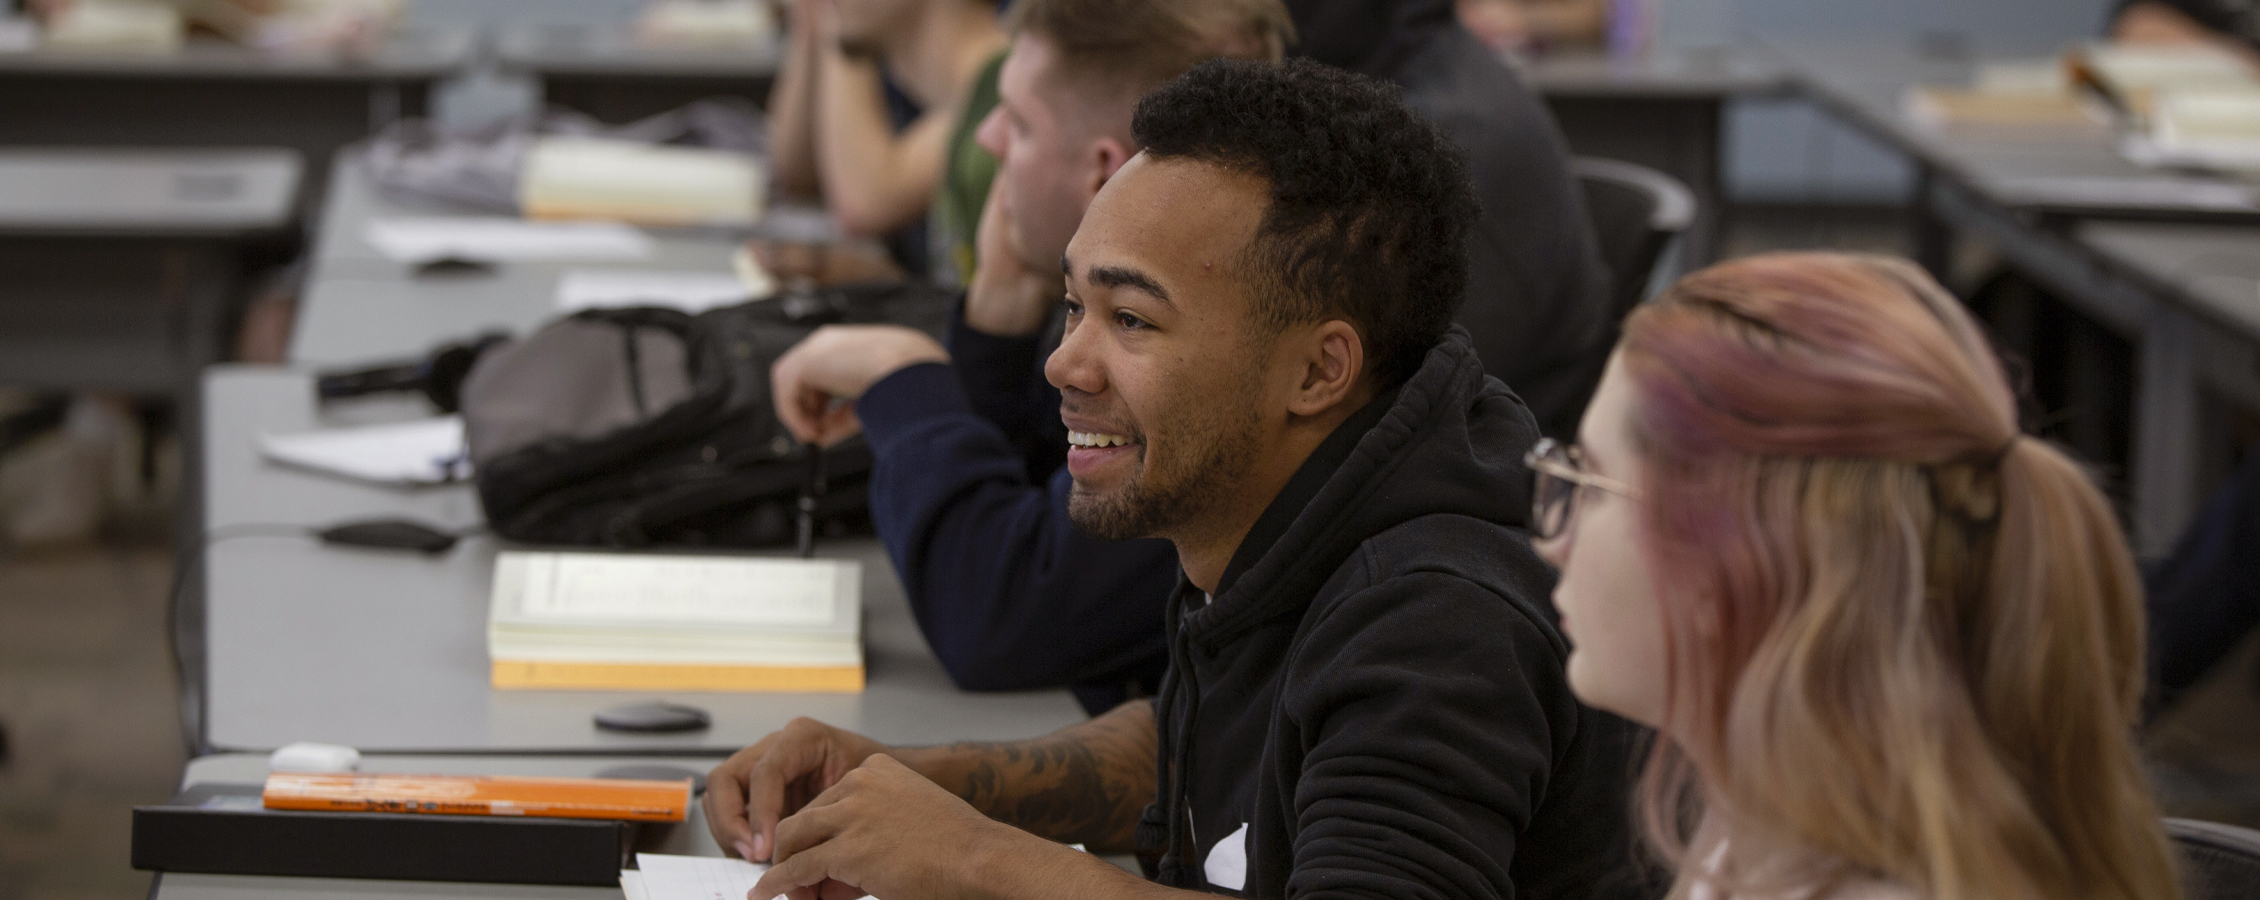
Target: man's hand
(888, 831)
(1005, 297)
(750, 791)
(815, 384)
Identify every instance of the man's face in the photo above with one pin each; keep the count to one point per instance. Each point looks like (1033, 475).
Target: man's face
(1042, 136)
(1164, 379)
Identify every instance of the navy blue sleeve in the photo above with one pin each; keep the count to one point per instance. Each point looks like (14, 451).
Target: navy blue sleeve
(1008, 593)
(1004, 380)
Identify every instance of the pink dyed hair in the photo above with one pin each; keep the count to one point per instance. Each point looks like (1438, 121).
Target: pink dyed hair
(1903, 642)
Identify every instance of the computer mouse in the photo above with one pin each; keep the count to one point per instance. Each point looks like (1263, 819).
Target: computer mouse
(655, 715)
(391, 534)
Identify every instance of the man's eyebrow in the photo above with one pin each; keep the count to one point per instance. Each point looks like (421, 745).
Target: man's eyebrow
(1119, 277)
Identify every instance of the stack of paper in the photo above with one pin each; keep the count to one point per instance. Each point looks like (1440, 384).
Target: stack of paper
(652, 622)
(649, 184)
(2207, 129)
(2032, 93)
(117, 26)
(2137, 76)
(428, 451)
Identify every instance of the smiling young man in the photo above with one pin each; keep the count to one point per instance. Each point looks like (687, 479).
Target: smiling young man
(1367, 696)
(969, 491)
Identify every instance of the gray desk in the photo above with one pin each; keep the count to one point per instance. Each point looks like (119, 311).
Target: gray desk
(121, 266)
(2207, 281)
(2029, 192)
(387, 651)
(1665, 111)
(2044, 171)
(360, 306)
(212, 93)
(605, 72)
(689, 838)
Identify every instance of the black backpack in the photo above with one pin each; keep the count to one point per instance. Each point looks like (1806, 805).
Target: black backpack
(648, 425)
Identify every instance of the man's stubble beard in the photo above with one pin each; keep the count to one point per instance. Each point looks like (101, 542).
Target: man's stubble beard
(1143, 508)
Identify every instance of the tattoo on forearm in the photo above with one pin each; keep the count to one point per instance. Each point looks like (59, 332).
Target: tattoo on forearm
(1083, 784)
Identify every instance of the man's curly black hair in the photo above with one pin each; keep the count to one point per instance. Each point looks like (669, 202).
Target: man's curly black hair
(1370, 204)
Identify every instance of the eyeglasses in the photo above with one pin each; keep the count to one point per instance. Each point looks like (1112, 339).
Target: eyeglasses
(1557, 471)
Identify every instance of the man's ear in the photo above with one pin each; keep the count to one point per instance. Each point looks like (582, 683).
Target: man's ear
(1106, 156)
(1333, 364)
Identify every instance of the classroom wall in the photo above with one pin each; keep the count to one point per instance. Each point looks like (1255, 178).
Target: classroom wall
(1788, 151)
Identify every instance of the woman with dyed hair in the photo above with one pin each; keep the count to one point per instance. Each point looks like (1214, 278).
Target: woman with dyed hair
(1891, 647)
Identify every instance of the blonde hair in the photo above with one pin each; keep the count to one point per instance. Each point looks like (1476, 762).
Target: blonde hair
(1130, 47)
(1904, 642)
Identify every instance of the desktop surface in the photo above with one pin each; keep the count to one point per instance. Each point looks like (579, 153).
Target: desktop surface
(386, 650)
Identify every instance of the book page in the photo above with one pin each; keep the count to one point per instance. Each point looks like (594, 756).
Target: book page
(680, 589)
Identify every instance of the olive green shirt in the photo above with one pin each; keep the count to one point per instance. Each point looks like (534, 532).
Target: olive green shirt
(956, 214)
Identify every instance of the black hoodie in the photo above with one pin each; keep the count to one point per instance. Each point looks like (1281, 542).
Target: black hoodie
(1376, 693)
(1537, 293)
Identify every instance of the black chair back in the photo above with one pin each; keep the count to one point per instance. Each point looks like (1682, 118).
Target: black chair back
(2219, 862)
(1636, 211)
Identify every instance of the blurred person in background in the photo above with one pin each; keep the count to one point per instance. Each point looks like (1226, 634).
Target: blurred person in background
(2231, 25)
(875, 159)
(1537, 26)
(1537, 295)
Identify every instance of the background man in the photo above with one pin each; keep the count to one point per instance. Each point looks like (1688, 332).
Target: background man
(835, 132)
(1537, 298)
(1368, 696)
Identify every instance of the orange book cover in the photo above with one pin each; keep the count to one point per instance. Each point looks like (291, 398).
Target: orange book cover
(518, 675)
(481, 795)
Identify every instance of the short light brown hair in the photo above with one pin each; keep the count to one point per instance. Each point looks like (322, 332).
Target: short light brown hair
(1129, 47)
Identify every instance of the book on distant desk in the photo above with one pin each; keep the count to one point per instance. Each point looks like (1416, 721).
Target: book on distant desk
(666, 622)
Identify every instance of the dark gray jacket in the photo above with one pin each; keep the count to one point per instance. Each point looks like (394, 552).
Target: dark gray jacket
(1537, 298)
(1376, 694)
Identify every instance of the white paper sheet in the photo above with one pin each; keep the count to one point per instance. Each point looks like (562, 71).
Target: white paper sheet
(421, 240)
(666, 877)
(428, 451)
(693, 292)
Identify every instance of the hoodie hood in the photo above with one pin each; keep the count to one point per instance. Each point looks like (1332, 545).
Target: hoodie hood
(1449, 441)
(1373, 37)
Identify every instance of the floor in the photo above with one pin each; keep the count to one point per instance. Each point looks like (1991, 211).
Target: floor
(87, 690)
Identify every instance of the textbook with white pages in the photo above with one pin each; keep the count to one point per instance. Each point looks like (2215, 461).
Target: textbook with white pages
(653, 621)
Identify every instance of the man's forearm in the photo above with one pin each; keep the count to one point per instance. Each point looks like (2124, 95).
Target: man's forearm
(1083, 784)
(792, 128)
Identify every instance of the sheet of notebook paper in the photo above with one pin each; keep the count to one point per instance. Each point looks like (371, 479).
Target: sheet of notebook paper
(428, 451)
(665, 877)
